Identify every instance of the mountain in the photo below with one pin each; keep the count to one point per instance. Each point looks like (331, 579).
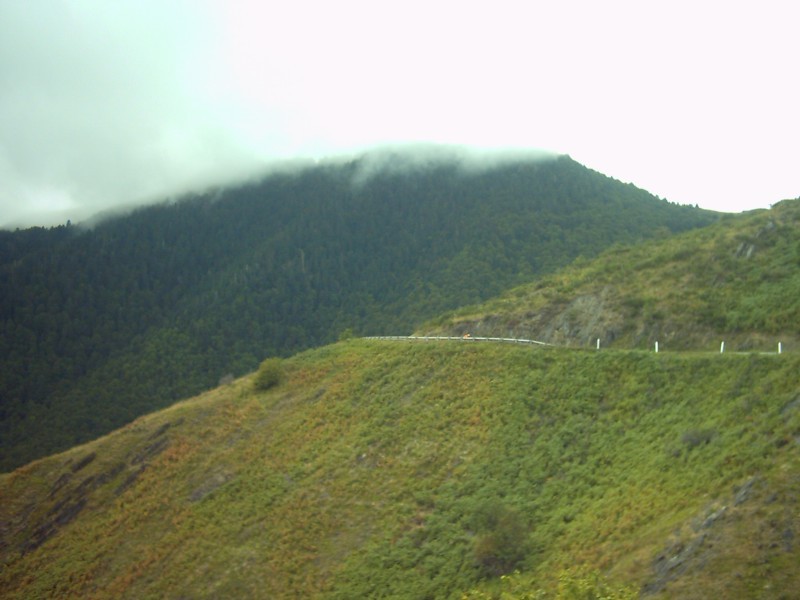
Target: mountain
(100, 325)
(737, 281)
(431, 470)
(464, 468)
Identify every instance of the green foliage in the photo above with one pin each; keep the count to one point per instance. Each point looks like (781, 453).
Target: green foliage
(379, 465)
(270, 373)
(101, 325)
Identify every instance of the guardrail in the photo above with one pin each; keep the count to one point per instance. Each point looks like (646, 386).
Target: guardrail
(459, 339)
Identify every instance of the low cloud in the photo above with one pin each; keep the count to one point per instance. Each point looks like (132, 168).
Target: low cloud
(403, 158)
(96, 110)
(109, 103)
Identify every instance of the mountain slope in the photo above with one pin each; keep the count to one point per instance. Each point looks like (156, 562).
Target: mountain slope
(99, 326)
(409, 469)
(737, 281)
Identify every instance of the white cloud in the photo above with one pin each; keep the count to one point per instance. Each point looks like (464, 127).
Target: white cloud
(95, 111)
(103, 103)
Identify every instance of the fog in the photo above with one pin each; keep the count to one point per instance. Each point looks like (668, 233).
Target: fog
(109, 104)
(96, 111)
(404, 158)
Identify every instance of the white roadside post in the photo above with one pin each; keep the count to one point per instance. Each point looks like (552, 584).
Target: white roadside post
(722, 347)
(656, 347)
(780, 349)
(598, 343)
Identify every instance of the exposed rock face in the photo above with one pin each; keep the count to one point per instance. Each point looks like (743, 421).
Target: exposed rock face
(579, 321)
(585, 319)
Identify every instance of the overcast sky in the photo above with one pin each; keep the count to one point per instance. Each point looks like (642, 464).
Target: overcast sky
(106, 103)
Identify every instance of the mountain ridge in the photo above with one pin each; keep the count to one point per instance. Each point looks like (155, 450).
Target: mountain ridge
(458, 469)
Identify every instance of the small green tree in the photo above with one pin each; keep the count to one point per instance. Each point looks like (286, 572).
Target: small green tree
(269, 374)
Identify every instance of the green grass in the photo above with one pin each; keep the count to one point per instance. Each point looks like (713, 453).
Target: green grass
(366, 472)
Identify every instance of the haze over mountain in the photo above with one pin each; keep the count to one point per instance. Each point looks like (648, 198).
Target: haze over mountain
(104, 324)
(108, 104)
(467, 469)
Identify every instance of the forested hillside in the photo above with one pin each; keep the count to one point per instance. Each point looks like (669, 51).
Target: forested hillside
(99, 325)
(737, 281)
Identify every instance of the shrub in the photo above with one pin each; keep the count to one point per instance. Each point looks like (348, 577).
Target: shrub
(269, 374)
(503, 542)
(698, 437)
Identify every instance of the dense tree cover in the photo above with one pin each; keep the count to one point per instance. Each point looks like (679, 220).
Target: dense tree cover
(99, 325)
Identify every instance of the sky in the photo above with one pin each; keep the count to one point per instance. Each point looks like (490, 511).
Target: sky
(107, 104)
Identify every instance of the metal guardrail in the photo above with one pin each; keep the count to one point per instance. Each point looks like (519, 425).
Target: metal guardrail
(459, 339)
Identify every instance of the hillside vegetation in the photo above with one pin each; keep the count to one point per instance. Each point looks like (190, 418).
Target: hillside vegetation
(431, 470)
(737, 281)
(101, 325)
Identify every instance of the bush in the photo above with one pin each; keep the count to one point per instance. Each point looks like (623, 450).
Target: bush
(269, 374)
(503, 541)
(698, 437)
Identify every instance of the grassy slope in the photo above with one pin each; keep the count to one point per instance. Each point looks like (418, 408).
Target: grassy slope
(362, 475)
(737, 280)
